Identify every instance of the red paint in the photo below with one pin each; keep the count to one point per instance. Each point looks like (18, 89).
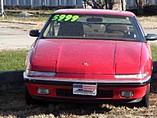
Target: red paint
(138, 92)
(102, 56)
(94, 11)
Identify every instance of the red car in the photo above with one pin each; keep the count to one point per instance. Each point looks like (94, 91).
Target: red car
(90, 55)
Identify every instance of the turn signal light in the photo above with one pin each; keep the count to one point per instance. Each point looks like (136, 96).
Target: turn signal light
(43, 91)
(127, 94)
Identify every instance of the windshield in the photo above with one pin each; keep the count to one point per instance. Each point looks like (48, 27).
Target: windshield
(90, 27)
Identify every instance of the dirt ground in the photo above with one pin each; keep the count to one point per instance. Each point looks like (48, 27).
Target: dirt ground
(12, 101)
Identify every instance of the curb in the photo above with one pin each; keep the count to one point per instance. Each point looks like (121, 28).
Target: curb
(11, 76)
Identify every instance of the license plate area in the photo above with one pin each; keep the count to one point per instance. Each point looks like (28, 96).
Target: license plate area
(85, 89)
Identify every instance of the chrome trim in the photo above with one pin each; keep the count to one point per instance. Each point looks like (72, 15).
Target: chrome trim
(131, 76)
(117, 81)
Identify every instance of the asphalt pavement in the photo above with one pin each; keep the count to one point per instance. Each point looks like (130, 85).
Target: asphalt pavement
(15, 36)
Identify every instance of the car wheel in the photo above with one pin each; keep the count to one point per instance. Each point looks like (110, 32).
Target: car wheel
(145, 99)
(28, 98)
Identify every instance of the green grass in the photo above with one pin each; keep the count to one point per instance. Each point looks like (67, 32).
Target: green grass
(37, 15)
(154, 52)
(12, 60)
(30, 19)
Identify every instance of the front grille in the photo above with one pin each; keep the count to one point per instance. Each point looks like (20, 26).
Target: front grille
(69, 93)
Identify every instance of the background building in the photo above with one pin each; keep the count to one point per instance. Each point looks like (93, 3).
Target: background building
(43, 3)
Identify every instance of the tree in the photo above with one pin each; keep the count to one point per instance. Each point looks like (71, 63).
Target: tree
(96, 4)
(108, 4)
(140, 6)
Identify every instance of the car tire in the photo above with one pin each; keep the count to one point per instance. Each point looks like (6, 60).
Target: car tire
(29, 100)
(154, 67)
(145, 100)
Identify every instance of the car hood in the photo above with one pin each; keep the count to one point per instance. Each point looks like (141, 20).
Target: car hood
(87, 56)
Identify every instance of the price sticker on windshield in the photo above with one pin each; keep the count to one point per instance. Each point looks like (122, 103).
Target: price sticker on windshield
(65, 17)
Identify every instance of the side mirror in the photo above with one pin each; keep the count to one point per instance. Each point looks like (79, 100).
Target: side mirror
(151, 37)
(34, 33)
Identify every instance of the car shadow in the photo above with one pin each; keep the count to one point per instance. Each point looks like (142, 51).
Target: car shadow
(153, 83)
(79, 109)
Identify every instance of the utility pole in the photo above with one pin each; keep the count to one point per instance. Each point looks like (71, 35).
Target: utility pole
(2, 8)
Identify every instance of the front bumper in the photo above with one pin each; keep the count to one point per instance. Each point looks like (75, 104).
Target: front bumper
(61, 89)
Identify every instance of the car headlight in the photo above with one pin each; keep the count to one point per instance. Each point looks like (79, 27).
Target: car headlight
(28, 57)
(138, 76)
(39, 73)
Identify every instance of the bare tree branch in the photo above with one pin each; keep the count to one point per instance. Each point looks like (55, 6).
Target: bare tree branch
(88, 3)
(96, 4)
